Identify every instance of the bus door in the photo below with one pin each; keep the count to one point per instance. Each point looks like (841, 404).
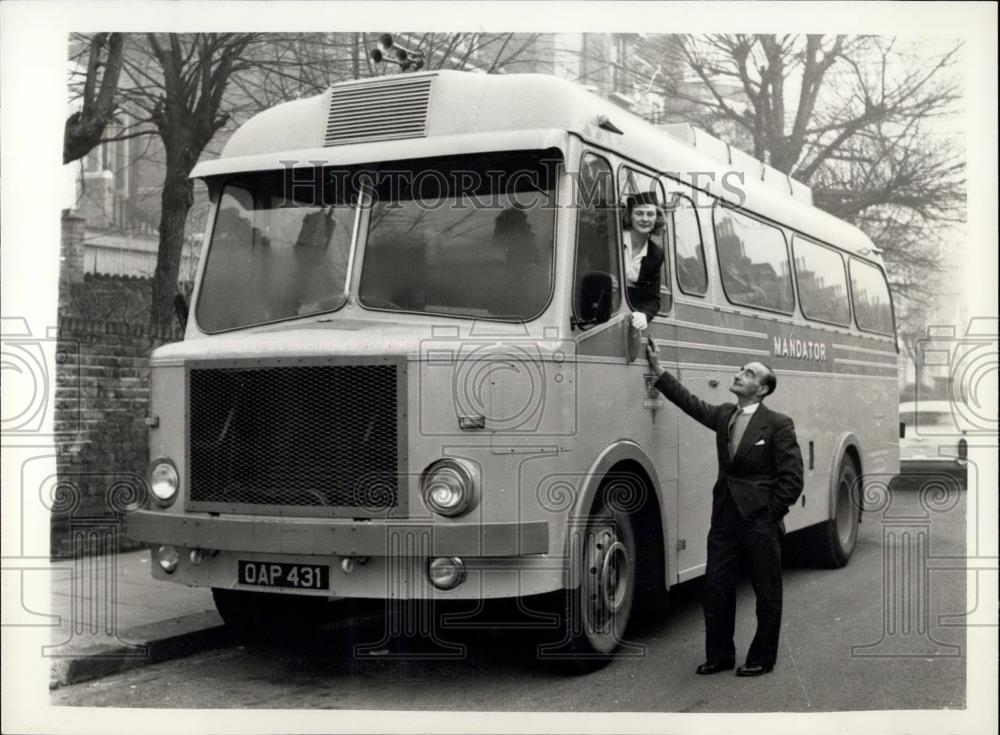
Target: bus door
(697, 365)
(654, 423)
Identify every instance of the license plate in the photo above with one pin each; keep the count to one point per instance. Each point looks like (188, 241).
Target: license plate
(279, 574)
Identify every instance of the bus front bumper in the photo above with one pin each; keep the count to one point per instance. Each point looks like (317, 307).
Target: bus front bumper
(335, 537)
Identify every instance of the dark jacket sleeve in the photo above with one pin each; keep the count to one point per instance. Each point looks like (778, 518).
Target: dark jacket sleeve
(788, 471)
(645, 295)
(704, 413)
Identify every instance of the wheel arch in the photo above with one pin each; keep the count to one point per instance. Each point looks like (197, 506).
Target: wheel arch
(620, 456)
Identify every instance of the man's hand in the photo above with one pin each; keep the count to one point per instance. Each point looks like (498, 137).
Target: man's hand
(639, 320)
(653, 355)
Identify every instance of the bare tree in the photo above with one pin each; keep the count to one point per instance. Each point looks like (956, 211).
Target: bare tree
(177, 87)
(98, 95)
(491, 53)
(853, 117)
(190, 91)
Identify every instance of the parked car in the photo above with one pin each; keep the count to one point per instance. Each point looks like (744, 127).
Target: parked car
(930, 442)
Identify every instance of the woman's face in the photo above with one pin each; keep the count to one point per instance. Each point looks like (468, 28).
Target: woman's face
(643, 218)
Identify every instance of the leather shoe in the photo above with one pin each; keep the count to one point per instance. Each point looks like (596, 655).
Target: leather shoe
(714, 667)
(753, 670)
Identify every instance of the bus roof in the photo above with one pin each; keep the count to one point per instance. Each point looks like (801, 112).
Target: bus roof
(447, 104)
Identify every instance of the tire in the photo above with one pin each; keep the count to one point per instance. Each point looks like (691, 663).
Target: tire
(594, 616)
(268, 616)
(651, 602)
(833, 541)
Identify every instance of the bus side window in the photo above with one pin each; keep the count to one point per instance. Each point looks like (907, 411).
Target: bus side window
(631, 182)
(822, 281)
(753, 261)
(872, 302)
(596, 233)
(692, 274)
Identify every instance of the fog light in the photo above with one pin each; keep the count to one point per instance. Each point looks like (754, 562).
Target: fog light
(446, 572)
(168, 557)
(197, 556)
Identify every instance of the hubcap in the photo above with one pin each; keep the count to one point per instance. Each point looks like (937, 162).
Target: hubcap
(613, 592)
(606, 578)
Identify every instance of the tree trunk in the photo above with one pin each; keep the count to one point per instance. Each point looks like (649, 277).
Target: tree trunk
(176, 201)
(356, 55)
(85, 128)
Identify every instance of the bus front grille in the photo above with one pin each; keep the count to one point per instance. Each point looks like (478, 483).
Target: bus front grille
(313, 439)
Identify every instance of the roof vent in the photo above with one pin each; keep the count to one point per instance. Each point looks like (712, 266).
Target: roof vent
(384, 109)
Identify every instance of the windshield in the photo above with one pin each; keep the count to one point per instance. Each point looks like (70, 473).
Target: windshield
(467, 235)
(279, 249)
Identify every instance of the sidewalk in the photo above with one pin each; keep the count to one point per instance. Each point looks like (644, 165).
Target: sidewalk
(114, 616)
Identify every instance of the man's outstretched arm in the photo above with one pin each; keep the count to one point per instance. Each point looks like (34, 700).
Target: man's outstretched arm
(702, 412)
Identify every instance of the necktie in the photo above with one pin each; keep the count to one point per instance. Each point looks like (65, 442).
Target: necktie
(737, 425)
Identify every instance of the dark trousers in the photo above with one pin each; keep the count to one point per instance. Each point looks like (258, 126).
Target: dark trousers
(732, 542)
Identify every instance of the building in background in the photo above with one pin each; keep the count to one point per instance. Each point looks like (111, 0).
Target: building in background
(118, 184)
(117, 194)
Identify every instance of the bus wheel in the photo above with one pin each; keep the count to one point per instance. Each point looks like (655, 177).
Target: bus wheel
(596, 613)
(834, 540)
(266, 616)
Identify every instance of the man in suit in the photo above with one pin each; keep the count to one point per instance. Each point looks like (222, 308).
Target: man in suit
(760, 477)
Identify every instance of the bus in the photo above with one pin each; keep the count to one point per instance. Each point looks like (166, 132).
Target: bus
(409, 372)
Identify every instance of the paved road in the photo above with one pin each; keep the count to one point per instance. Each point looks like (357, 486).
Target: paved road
(891, 596)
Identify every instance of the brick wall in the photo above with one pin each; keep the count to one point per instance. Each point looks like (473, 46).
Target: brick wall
(72, 254)
(101, 401)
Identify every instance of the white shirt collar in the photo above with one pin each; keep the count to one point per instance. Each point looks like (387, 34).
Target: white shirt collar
(633, 259)
(748, 409)
(631, 249)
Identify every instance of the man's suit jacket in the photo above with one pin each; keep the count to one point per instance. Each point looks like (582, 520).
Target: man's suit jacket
(765, 475)
(645, 294)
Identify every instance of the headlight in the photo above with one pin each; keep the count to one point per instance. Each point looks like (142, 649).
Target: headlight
(163, 481)
(451, 487)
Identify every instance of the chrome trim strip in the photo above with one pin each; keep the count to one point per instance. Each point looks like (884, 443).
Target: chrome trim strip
(713, 348)
(641, 364)
(866, 363)
(717, 330)
(866, 350)
(599, 329)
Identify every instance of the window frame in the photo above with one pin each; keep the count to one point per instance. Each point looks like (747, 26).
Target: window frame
(665, 289)
(576, 235)
(221, 185)
(719, 204)
(701, 247)
(365, 232)
(847, 287)
(885, 280)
